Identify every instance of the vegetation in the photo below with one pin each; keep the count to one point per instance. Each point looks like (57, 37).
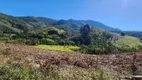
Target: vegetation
(58, 48)
(24, 62)
(35, 48)
(22, 24)
(25, 71)
(123, 34)
(47, 32)
(128, 40)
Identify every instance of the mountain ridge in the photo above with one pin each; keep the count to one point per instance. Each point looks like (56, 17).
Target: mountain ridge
(26, 22)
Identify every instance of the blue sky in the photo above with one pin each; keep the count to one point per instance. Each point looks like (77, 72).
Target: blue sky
(122, 14)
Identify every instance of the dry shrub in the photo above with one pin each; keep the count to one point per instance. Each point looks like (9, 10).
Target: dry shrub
(137, 64)
(118, 62)
(6, 51)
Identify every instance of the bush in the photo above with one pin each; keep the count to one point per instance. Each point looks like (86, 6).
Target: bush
(50, 42)
(99, 49)
(52, 32)
(32, 41)
(13, 36)
(100, 75)
(123, 34)
(69, 43)
(61, 42)
(47, 41)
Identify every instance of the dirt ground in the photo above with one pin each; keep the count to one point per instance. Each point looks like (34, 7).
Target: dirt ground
(124, 64)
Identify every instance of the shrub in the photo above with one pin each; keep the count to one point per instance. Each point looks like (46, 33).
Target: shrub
(47, 41)
(69, 43)
(32, 41)
(52, 32)
(123, 34)
(100, 75)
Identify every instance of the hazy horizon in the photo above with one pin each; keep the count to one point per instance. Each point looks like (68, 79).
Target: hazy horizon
(122, 14)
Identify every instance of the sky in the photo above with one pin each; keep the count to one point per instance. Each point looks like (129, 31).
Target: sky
(123, 14)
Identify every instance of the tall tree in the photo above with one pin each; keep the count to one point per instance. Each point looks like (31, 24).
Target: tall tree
(85, 35)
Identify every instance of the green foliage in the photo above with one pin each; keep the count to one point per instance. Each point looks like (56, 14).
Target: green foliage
(32, 41)
(85, 30)
(85, 35)
(69, 42)
(52, 32)
(33, 31)
(123, 34)
(48, 41)
(106, 48)
(13, 36)
(100, 75)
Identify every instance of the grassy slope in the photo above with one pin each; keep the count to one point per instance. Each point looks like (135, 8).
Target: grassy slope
(57, 48)
(128, 40)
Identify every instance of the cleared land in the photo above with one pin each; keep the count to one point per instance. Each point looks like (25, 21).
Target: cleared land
(58, 65)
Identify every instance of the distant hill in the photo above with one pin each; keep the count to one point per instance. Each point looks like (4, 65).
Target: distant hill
(22, 24)
(128, 40)
(10, 24)
(137, 34)
(76, 24)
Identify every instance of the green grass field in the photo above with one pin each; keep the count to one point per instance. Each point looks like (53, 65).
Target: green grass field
(58, 48)
(128, 40)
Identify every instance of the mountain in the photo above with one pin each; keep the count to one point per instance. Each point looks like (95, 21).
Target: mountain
(22, 24)
(76, 24)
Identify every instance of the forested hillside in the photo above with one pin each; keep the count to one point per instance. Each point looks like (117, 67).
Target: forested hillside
(12, 23)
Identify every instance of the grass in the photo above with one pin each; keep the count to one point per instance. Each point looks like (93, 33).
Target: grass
(16, 71)
(128, 40)
(58, 48)
(24, 71)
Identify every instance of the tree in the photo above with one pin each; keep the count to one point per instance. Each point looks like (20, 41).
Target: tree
(141, 40)
(123, 34)
(85, 30)
(52, 32)
(85, 35)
